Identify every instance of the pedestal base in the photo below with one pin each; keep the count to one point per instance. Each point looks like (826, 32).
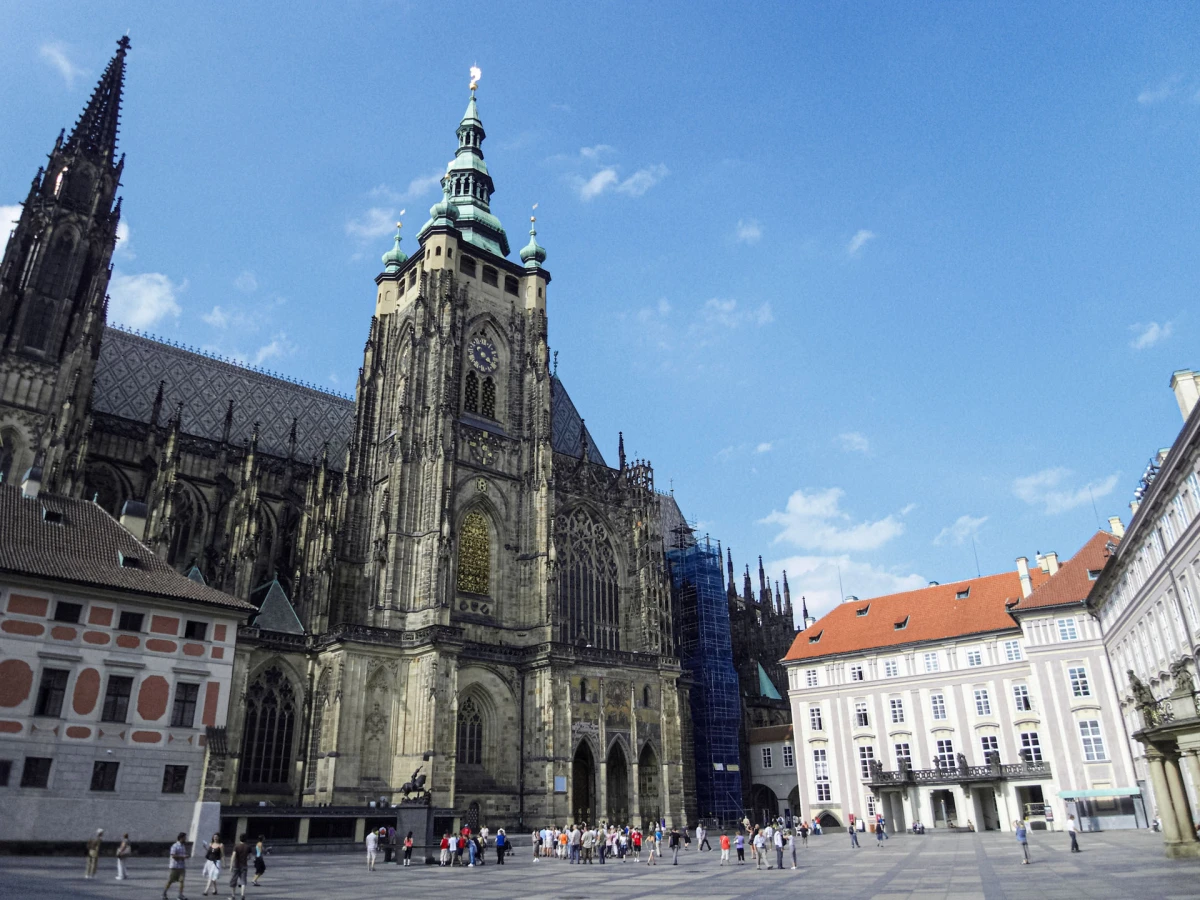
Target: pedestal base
(426, 824)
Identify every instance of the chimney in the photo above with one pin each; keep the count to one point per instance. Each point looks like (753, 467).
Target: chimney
(1115, 526)
(1051, 560)
(133, 518)
(31, 484)
(1023, 571)
(1133, 506)
(1186, 385)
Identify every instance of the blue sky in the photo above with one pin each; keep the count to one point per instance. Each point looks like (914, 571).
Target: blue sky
(862, 280)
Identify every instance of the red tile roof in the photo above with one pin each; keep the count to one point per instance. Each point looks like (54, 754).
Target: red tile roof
(933, 613)
(1071, 583)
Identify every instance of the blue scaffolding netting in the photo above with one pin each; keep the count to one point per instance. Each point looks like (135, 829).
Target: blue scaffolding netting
(706, 651)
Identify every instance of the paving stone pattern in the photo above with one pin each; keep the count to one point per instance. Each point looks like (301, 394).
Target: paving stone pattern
(1114, 865)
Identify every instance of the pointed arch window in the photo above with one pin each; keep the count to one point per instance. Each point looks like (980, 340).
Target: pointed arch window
(268, 731)
(588, 584)
(471, 393)
(487, 407)
(58, 181)
(181, 530)
(474, 555)
(52, 280)
(469, 750)
(38, 324)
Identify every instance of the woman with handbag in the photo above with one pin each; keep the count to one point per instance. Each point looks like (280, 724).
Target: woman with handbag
(213, 857)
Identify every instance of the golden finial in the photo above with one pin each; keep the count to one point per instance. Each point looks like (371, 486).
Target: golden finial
(476, 74)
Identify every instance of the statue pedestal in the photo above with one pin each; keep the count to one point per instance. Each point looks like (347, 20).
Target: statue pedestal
(427, 823)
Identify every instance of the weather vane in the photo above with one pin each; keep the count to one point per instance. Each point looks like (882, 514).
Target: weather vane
(400, 224)
(476, 74)
(532, 217)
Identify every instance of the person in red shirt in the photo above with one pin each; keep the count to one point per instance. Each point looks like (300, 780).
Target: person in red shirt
(724, 849)
(636, 840)
(444, 860)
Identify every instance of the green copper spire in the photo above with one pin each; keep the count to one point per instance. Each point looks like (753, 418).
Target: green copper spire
(442, 214)
(533, 254)
(469, 186)
(395, 258)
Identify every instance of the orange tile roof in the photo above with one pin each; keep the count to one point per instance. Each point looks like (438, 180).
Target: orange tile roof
(766, 734)
(1071, 583)
(933, 614)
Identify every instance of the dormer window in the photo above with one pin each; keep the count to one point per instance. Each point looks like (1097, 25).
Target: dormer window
(902, 624)
(816, 637)
(128, 562)
(52, 516)
(963, 594)
(1093, 574)
(863, 610)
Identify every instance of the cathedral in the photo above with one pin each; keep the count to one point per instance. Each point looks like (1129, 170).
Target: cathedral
(451, 578)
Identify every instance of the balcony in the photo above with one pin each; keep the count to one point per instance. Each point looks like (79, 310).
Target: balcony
(960, 773)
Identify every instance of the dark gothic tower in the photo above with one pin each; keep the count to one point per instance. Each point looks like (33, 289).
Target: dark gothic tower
(53, 283)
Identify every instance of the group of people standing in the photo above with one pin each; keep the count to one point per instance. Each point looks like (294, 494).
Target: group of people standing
(466, 847)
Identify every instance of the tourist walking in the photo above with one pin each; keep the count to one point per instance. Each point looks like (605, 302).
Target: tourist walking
(408, 845)
(501, 846)
(260, 857)
(724, 848)
(702, 838)
(674, 842)
(853, 835)
(239, 861)
(778, 840)
(741, 848)
(1022, 839)
(214, 855)
(93, 854)
(804, 833)
(1073, 831)
(651, 840)
(792, 846)
(472, 849)
(878, 833)
(444, 859)
(760, 849)
(372, 849)
(123, 851)
(178, 865)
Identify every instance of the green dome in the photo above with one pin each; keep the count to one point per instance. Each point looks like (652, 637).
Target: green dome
(533, 254)
(395, 258)
(444, 212)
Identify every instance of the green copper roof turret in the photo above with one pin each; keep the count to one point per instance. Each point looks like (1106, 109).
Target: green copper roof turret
(395, 258)
(533, 254)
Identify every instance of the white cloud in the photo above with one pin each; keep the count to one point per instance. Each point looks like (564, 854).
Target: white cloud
(1049, 488)
(963, 529)
(727, 314)
(1150, 96)
(278, 347)
(55, 53)
(595, 152)
(860, 239)
(764, 447)
(376, 222)
(421, 186)
(659, 311)
(218, 318)
(8, 219)
(816, 522)
(124, 248)
(748, 231)
(141, 301)
(1148, 334)
(642, 180)
(763, 314)
(816, 580)
(246, 283)
(597, 184)
(854, 442)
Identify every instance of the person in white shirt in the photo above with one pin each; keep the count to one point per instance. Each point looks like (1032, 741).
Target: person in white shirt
(1073, 831)
(778, 841)
(372, 849)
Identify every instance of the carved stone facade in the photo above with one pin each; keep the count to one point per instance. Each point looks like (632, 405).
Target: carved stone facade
(469, 577)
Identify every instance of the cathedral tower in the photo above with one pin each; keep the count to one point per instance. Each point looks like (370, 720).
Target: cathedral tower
(53, 283)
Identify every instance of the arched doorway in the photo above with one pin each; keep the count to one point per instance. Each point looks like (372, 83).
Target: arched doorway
(649, 781)
(472, 817)
(583, 784)
(764, 805)
(617, 798)
(828, 820)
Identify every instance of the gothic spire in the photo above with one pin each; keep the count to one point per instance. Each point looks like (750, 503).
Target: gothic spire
(778, 599)
(804, 610)
(787, 595)
(95, 134)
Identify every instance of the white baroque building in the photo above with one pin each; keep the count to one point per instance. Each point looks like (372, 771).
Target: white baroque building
(967, 703)
(1146, 601)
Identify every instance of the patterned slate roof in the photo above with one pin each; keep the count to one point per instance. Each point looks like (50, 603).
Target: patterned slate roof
(130, 368)
(565, 423)
(84, 546)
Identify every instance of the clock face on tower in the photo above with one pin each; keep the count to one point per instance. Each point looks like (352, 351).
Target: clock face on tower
(483, 355)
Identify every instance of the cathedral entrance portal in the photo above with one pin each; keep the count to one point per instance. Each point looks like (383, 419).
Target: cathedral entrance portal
(583, 784)
(649, 779)
(618, 786)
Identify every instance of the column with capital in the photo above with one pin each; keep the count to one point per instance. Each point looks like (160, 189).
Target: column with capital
(1162, 796)
(1179, 800)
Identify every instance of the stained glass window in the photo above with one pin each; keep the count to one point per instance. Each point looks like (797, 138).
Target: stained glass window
(588, 592)
(471, 394)
(488, 407)
(470, 734)
(474, 555)
(267, 735)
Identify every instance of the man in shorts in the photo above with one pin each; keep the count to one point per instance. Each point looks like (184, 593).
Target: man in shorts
(178, 865)
(239, 862)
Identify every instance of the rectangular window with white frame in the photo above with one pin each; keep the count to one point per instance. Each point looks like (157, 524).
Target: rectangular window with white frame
(931, 662)
(989, 743)
(1021, 698)
(1093, 741)
(866, 755)
(1012, 651)
(766, 757)
(1067, 629)
(870, 804)
(862, 718)
(891, 668)
(856, 673)
(815, 719)
(945, 754)
(937, 703)
(1079, 681)
(903, 754)
(897, 705)
(810, 677)
(974, 658)
(821, 775)
(1032, 744)
(789, 756)
(983, 703)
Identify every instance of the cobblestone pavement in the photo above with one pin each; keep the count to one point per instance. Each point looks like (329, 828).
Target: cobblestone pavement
(1114, 865)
